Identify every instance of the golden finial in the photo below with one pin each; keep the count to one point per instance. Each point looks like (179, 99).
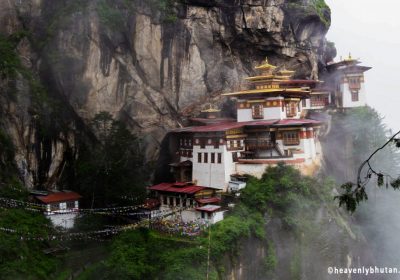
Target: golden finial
(211, 108)
(350, 58)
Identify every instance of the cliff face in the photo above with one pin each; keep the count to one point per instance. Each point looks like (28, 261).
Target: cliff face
(148, 63)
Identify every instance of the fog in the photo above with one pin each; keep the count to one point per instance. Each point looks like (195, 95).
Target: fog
(369, 30)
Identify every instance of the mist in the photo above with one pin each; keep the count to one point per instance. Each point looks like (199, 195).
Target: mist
(353, 137)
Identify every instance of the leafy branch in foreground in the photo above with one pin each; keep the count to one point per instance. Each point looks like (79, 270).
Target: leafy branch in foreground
(355, 193)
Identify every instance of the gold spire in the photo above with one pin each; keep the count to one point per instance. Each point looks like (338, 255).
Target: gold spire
(266, 65)
(349, 58)
(210, 109)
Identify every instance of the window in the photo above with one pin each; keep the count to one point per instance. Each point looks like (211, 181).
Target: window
(257, 110)
(178, 201)
(216, 143)
(55, 207)
(184, 202)
(171, 201)
(70, 204)
(202, 143)
(234, 157)
(190, 153)
(212, 157)
(319, 100)
(205, 157)
(219, 157)
(291, 109)
(354, 96)
(199, 157)
(291, 138)
(303, 103)
(165, 201)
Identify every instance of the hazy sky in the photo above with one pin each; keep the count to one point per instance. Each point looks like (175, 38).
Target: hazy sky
(370, 30)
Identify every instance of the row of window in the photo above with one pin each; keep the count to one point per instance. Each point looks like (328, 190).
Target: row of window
(235, 144)
(291, 109)
(354, 80)
(208, 141)
(214, 157)
(319, 100)
(291, 138)
(186, 153)
(185, 142)
(177, 201)
(63, 205)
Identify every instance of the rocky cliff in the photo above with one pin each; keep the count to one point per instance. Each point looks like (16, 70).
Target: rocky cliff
(150, 64)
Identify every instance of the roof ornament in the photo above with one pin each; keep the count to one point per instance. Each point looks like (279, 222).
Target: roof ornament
(211, 108)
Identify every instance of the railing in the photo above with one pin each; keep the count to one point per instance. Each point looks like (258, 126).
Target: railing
(294, 141)
(232, 148)
(319, 103)
(256, 144)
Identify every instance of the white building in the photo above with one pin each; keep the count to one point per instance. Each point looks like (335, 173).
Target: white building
(187, 201)
(347, 79)
(61, 207)
(270, 128)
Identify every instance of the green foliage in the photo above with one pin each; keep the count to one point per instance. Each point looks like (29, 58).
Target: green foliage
(318, 7)
(144, 254)
(23, 259)
(9, 60)
(109, 16)
(114, 167)
(10, 186)
(226, 236)
(282, 191)
(270, 259)
(166, 8)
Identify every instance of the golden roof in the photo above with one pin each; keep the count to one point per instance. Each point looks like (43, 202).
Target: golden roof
(266, 65)
(286, 72)
(269, 90)
(210, 109)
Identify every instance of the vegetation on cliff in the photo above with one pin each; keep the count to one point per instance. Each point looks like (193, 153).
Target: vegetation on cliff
(22, 258)
(370, 134)
(282, 194)
(112, 168)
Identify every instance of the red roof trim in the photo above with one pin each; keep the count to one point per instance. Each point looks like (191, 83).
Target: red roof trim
(209, 208)
(208, 200)
(231, 125)
(296, 122)
(177, 188)
(59, 197)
